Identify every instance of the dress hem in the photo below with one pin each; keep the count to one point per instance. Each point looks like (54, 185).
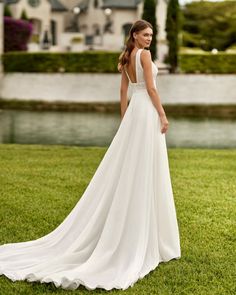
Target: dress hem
(68, 284)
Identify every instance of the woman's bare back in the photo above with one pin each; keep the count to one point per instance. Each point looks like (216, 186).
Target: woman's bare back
(130, 68)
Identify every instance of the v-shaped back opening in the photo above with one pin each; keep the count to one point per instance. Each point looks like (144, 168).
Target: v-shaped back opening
(135, 68)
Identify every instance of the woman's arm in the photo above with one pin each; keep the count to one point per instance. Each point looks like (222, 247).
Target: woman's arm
(123, 93)
(146, 61)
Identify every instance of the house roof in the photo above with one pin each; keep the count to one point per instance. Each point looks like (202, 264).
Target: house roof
(56, 4)
(83, 5)
(121, 3)
(8, 2)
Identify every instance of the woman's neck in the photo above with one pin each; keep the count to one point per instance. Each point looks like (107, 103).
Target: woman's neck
(138, 47)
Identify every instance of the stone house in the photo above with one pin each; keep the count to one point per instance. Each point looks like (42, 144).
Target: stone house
(101, 24)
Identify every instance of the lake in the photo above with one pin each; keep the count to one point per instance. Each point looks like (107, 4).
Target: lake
(98, 129)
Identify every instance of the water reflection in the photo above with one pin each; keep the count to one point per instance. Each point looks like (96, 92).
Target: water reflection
(98, 129)
(206, 133)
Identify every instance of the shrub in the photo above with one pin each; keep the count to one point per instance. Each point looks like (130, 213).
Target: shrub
(221, 62)
(16, 34)
(7, 11)
(106, 62)
(83, 62)
(24, 15)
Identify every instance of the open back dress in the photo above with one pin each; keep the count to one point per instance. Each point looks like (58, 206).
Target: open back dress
(125, 222)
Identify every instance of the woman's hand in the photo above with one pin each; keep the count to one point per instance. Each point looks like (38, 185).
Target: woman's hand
(164, 123)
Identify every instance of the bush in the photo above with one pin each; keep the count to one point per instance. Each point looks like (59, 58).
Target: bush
(84, 62)
(7, 11)
(106, 62)
(24, 15)
(222, 63)
(16, 34)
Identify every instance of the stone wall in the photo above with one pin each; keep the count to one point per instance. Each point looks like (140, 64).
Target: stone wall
(173, 89)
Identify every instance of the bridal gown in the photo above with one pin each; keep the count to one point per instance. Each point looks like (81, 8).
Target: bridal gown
(125, 223)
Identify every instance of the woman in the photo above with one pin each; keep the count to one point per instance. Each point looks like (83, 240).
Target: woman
(125, 223)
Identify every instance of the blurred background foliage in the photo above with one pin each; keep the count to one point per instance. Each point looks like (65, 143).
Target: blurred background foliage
(209, 25)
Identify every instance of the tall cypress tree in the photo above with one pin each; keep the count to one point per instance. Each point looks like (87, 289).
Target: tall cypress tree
(172, 30)
(149, 14)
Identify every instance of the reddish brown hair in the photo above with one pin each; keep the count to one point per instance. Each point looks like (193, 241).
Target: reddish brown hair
(138, 26)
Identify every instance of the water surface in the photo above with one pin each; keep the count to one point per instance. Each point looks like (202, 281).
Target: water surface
(98, 129)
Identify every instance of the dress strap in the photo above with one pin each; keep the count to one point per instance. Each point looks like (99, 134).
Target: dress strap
(127, 75)
(138, 63)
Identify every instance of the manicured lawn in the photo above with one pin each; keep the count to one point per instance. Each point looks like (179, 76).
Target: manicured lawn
(39, 185)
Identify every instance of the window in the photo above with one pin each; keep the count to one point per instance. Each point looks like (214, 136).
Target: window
(95, 3)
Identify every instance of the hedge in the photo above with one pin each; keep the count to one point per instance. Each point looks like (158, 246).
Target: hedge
(222, 63)
(92, 62)
(106, 62)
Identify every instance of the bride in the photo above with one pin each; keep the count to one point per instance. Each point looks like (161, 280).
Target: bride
(125, 222)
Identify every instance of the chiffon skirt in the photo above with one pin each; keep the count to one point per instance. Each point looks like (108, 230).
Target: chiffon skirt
(124, 224)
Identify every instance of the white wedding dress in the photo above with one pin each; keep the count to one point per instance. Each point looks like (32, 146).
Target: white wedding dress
(125, 223)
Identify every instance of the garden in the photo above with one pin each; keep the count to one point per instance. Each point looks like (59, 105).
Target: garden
(40, 185)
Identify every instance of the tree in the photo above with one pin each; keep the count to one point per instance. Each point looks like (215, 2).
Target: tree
(209, 25)
(149, 14)
(24, 15)
(172, 30)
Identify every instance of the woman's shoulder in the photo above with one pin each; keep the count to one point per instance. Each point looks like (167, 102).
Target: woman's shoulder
(145, 56)
(145, 53)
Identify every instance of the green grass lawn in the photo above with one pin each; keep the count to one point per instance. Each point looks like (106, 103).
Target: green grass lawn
(39, 185)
